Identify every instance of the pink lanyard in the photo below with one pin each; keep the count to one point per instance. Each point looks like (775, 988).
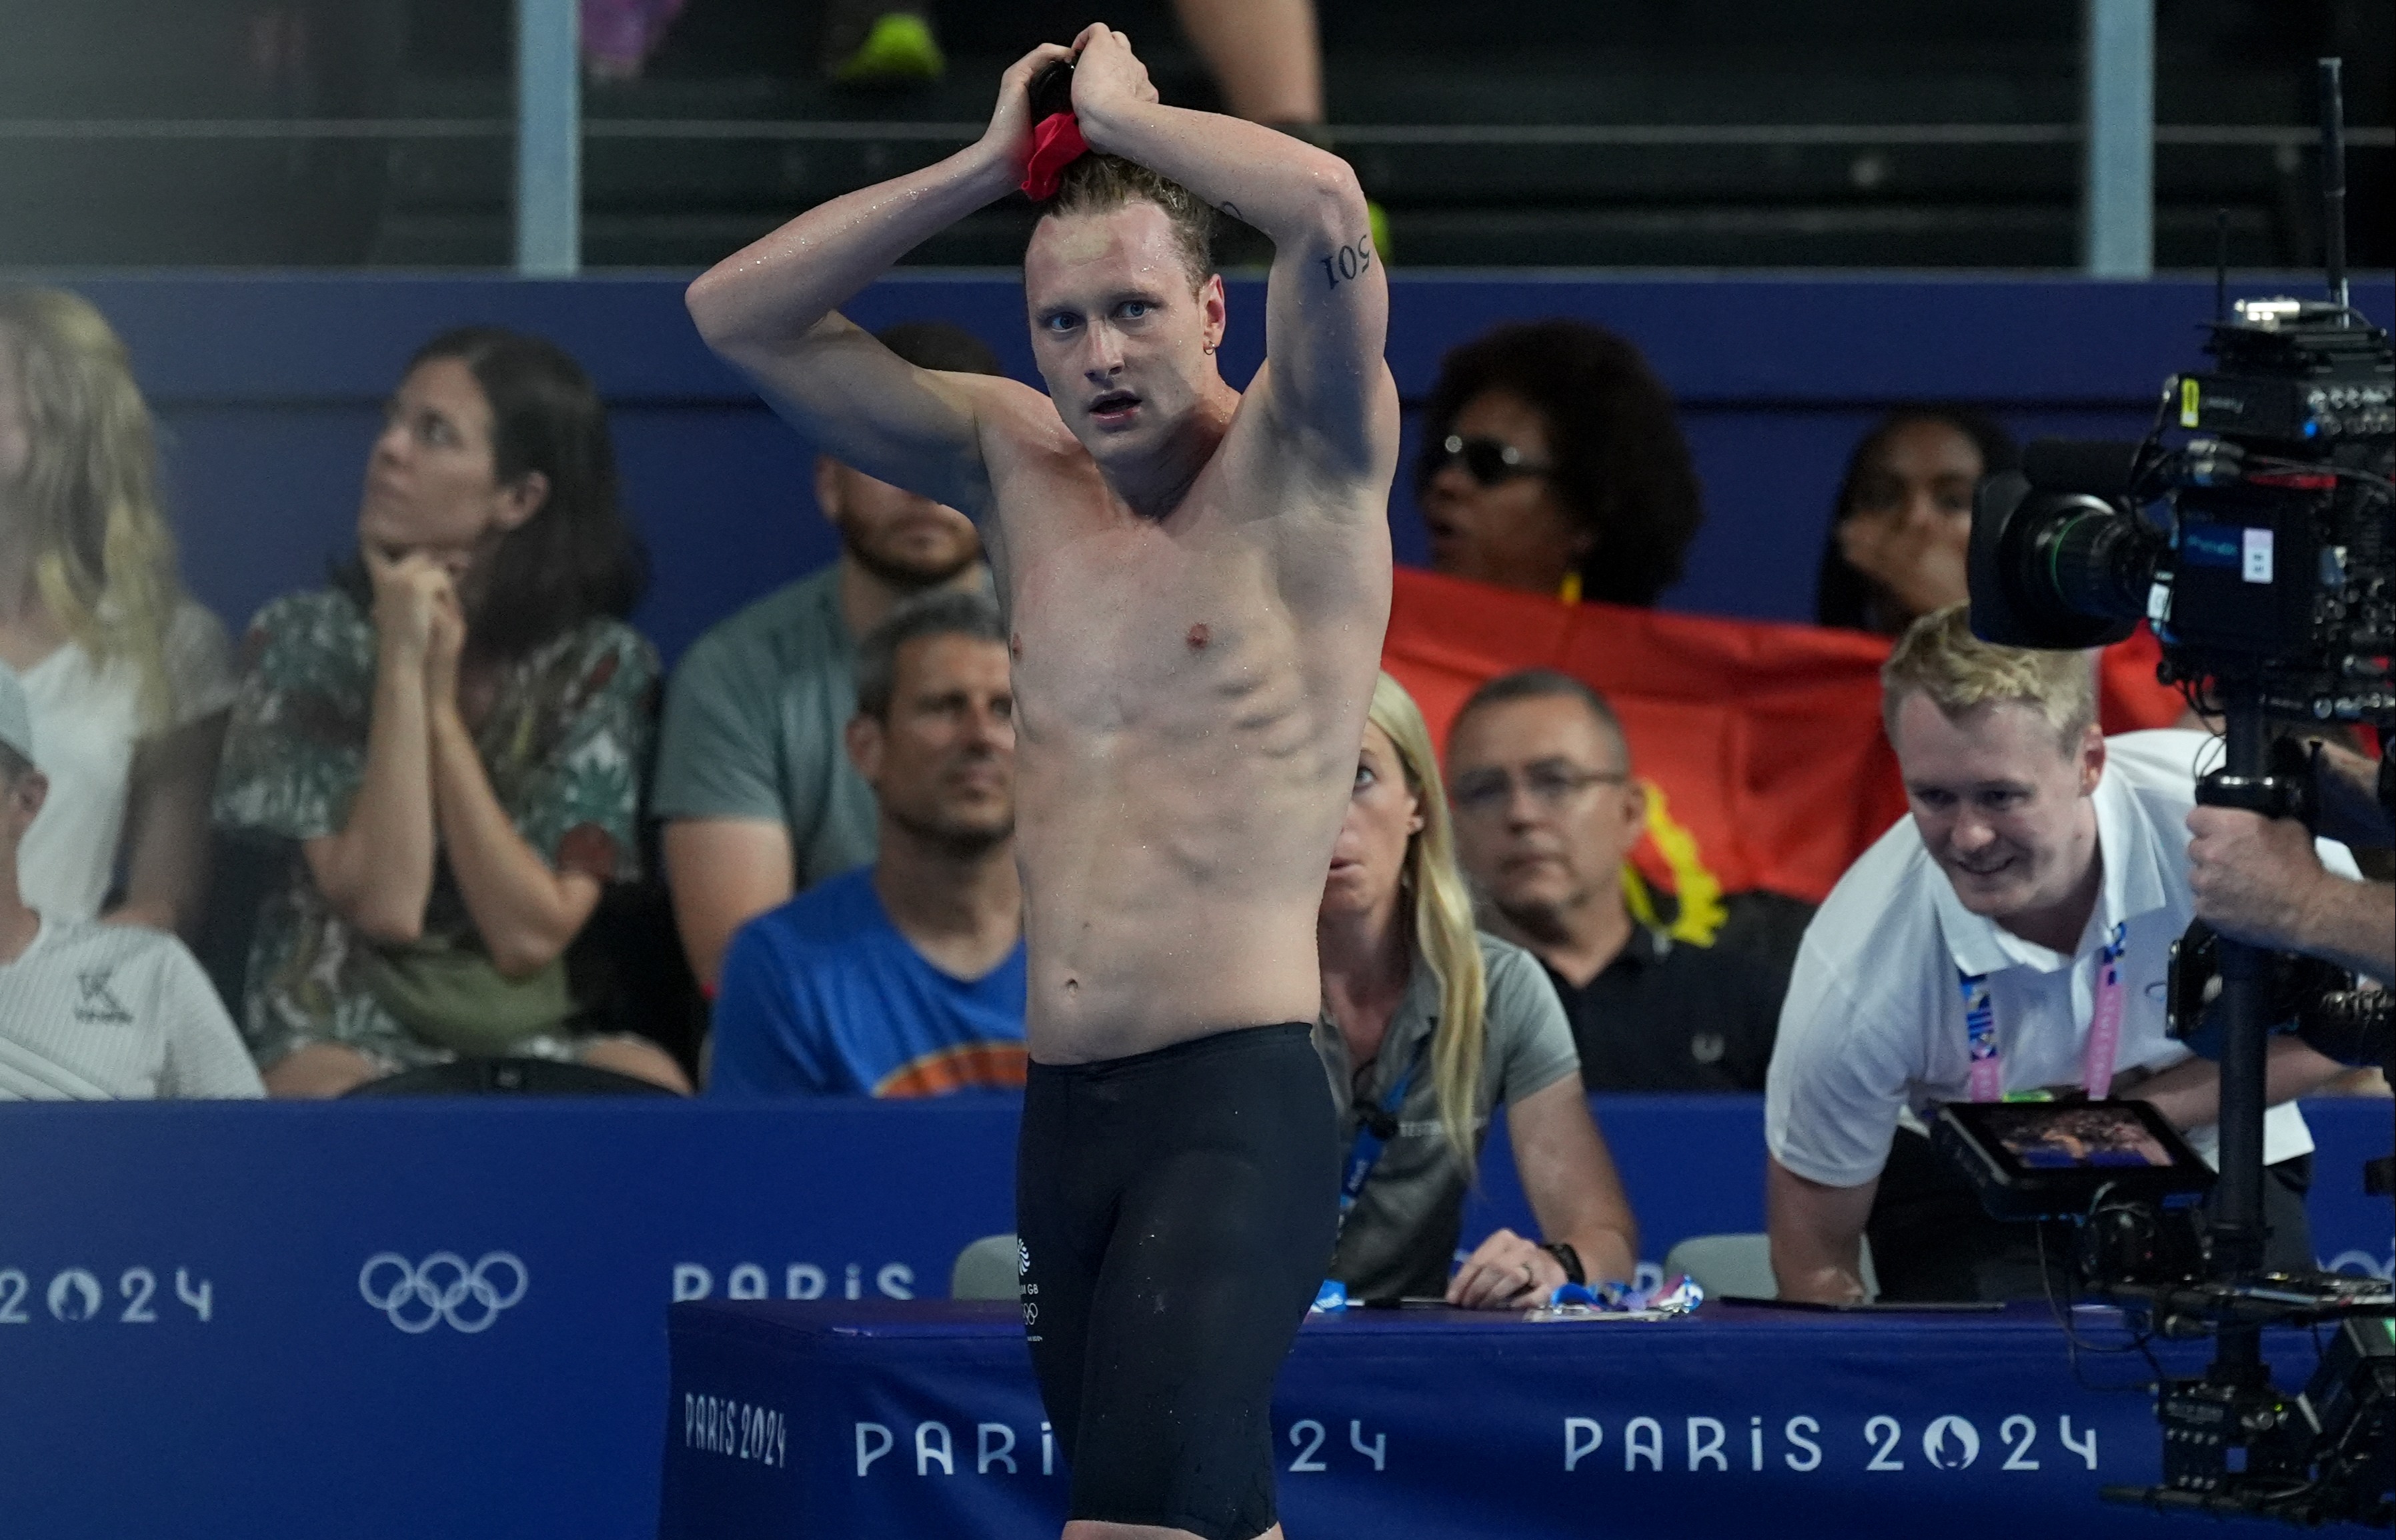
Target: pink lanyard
(2104, 1028)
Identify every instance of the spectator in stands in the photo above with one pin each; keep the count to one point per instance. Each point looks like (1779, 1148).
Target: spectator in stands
(758, 799)
(1265, 55)
(620, 36)
(452, 734)
(1551, 462)
(1900, 531)
(905, 978)
(1427, 1025)
(128, 680)
(1903, 519)
(1547, 814)
(1965, 956)
(91, 1012)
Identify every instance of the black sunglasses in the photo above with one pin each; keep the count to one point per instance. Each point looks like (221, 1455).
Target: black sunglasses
(1487, 460)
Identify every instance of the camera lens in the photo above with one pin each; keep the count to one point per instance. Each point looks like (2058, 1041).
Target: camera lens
(2056, 569)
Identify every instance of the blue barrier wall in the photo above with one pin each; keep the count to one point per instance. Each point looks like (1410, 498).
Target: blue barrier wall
(206, 1328)
(270, 388)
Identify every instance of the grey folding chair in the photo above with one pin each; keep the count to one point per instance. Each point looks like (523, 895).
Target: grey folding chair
(1741, 1265)
(985, 1269)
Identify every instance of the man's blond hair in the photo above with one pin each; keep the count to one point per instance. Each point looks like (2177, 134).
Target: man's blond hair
(1939, 657)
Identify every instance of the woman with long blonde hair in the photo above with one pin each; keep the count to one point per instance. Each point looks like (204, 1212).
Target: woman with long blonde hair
(128, 679)
(1428, 1025)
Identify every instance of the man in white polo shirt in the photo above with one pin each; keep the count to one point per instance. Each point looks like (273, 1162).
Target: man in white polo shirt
(91, 1012)
(2038, 851)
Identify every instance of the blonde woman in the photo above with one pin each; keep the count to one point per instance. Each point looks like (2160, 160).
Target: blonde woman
(128, 681)
(1427, 1025)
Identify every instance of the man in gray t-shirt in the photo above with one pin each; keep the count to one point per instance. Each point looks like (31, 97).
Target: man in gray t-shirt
(758, 797)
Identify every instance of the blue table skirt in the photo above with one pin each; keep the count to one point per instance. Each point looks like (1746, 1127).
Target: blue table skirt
(886, 1419)
(209, 1294)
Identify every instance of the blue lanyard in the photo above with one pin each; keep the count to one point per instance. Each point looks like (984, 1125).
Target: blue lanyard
(1373, 1131)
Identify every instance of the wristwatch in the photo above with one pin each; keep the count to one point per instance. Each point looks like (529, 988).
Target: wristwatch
(1562, 1251)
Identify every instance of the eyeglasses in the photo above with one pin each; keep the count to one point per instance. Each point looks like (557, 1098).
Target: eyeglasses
(1484, 794)
(1487, 460)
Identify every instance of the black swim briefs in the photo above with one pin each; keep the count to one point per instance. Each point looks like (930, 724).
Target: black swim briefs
(1177, 1211)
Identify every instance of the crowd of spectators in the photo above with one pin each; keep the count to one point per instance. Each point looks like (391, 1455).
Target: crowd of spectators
(448, 752)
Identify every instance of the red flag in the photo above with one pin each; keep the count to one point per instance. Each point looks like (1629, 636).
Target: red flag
(1764, 739)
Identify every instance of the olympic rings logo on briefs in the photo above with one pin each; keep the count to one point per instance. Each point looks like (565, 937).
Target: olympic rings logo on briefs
(421, 1294)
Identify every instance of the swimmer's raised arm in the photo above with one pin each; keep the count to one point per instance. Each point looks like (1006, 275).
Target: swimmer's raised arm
(770, 310)
(1327, 306)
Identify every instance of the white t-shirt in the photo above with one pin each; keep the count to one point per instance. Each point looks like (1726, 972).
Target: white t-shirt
(96, 1013)
(1873, 1028)
(87, 725)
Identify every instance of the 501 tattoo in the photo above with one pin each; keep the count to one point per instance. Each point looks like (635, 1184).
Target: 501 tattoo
(1347, 262)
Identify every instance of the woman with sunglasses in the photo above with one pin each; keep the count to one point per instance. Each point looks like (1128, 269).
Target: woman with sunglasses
(1551, 462)
(1428, 1025)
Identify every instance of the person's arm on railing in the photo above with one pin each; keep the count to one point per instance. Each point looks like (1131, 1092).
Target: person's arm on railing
(1568, 1175)
(1816, 1233)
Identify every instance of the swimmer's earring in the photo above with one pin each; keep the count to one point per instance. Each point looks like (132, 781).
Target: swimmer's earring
(1569, 589)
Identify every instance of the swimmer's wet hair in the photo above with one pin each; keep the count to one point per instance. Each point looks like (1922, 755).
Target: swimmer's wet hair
(1100, 184)
(1939, 657)
(942, 612)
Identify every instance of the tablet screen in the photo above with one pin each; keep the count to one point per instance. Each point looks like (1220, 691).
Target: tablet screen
(2075, 1138)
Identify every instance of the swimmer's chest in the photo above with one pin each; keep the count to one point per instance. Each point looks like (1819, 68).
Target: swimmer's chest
(1125, 622)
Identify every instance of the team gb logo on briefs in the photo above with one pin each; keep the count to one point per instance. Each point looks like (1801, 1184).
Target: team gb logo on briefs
(420, 1295)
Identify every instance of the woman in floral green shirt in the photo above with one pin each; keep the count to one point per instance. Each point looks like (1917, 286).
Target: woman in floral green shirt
(452, 734)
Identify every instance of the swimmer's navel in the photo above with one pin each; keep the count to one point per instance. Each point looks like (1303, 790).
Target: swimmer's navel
(1199, 636)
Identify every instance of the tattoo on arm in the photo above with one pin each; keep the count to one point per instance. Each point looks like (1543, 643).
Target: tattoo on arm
(1347, 261)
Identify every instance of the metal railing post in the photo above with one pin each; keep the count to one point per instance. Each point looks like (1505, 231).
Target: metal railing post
(548, 139)
(2117, 210)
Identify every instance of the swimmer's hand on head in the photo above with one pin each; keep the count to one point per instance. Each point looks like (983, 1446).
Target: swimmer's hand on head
(1107, 73)
(771, 309)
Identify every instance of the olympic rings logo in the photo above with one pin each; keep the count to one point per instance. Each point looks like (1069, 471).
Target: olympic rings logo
(420, 1296)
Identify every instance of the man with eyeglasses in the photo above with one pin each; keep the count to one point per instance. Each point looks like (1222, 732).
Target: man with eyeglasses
(1547, 812)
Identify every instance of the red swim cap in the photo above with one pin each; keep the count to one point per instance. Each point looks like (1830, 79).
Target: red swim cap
(1055, 144)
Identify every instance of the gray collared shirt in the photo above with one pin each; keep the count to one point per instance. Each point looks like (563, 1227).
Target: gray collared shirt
(1401, 1237)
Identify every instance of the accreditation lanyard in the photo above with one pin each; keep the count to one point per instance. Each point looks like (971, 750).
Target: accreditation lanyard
(1373, 1131)
(2104, 1027)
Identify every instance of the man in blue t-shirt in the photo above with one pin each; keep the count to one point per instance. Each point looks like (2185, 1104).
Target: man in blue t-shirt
(904, 979)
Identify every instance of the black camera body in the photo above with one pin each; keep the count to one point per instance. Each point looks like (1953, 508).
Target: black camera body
(2254, 528)
(2274, 560)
